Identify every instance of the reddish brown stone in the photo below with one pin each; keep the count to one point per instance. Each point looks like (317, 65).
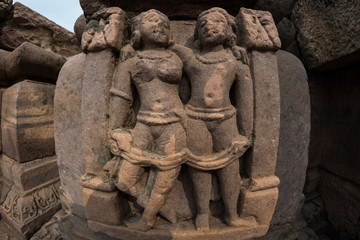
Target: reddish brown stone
(96, 203)
(29, 26)
(79, 26)
(27, 121)
(184, 9)
(32, 62)
(67, 117)
(5, 8)
(148, 157)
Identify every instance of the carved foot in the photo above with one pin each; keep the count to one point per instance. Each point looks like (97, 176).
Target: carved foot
(166, 211)
(202, 222)
(240, 222)
(140, 225)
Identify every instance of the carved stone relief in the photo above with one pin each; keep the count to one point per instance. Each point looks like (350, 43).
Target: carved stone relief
(169, 149)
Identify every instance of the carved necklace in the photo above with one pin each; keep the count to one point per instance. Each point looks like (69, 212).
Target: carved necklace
(206, 60)
(154, 55)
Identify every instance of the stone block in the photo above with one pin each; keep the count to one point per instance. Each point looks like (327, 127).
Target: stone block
(27, 25)
(27, 211)
(339, 142)
(5, 9)
(328, 32)
(67, 128)
(278, 8)
(312, 180)
(174, 9)
(27, 121)
(95, 95)
(292, 156)
(34, 173)
(341, 200)
(79, 26)
(287, 32)
(266, 115)
(33, 62)
(104, 207)
(3, 77)
(257, 30)
(260, 204)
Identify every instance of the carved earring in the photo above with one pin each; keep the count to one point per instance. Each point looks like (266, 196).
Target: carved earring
(135, 39)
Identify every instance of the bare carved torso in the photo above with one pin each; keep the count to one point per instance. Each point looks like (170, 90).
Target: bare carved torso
(212, 79)
(156, 76)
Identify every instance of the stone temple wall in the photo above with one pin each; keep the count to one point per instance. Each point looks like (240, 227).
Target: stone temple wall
(318, 69)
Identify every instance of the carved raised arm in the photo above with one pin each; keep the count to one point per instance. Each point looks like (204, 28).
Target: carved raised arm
(121, 96)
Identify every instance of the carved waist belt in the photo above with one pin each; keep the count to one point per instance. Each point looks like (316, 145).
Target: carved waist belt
(148, 117)
(163, 163)
(210, 114)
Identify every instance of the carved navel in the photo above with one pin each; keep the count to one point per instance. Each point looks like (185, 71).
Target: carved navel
(213, 92)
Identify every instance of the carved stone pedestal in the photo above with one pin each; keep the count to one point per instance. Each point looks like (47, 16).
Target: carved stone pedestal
(30, 175)
(33, 197)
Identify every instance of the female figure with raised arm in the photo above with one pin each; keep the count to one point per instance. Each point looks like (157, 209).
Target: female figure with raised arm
(213, 123)
(158, 139)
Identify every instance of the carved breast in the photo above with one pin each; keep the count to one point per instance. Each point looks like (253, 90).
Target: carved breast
(166, 70)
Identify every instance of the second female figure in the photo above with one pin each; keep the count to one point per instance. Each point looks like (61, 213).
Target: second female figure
(158, 138)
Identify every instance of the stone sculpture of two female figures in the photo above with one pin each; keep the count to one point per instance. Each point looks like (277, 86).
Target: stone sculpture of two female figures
(208, 134)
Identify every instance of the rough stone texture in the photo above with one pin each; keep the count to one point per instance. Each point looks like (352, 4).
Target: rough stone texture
(96, 83)
(104, 31)
(26, 212)
(183, 32)
(7, 177)
(33, 197)
(7, 233)
(97, 203)
(94, 109)
(32, 62)
(312, 180)
(318, 85)
(79, 27)
(174, 9)
(3, 78)
(50, 230)
(92, 89)
(287, 32)
(340, 139)
(267, 114)
(283, 232)
(27, 121)
(29, 26)
(67, 128)
(260, 204)
(278, 8)
(341, 199)
(294, 137)
(5, 8)
(256, 29)
(334, 147)
(328, 32)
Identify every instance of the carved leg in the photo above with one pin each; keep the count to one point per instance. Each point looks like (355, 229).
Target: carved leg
(129, 176)
(164, 181)
(199, 142)
(229, 177)
(202, 190)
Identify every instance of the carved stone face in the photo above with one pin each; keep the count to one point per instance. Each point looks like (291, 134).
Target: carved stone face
(155, 29)
(212, 29)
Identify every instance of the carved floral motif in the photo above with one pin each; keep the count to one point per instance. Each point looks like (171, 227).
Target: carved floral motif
(23, 209)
